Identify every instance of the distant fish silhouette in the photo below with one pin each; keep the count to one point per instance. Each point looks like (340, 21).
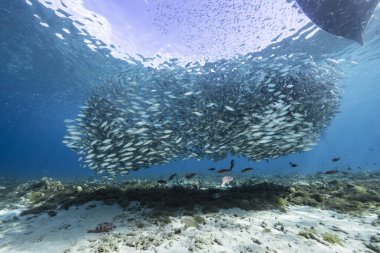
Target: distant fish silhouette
(331, 172)
(211, 169)
(335, 159)
(345, 18)
(190, 175)
(232, 164)
(246, 170)
(161, 181)
(221, 171)
(172, 176)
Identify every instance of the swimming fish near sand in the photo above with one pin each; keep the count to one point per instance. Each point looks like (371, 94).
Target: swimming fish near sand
(172, 176)
(331, 172)
(221, 171)
(249, 169)
(190, 175)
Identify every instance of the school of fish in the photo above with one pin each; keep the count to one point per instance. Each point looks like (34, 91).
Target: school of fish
(247, 106)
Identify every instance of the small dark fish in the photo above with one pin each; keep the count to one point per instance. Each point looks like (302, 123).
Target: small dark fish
(232, 164)
(212, 169)
(335, 159)
(330, 172)
(190, 175)
(161, 181)
(172, 176)
(223, 171)
(246, 170)
(293, 164)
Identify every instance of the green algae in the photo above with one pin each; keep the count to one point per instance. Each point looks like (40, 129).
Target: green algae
(281, 202)
(309, 233)
(331, 238)
(190, 222)
(36, 197)
(199, 219)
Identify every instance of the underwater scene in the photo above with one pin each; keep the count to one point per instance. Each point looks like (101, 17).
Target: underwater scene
(226, 126)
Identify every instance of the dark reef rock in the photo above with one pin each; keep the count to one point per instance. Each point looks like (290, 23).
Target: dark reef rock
(355, 194)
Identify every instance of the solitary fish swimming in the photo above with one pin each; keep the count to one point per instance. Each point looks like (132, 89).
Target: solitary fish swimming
(172, 176)
(232, 164)
(221, 171)
(331, 172)
(246, 170)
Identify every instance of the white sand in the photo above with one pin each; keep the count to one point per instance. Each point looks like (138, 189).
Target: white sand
(232, 230)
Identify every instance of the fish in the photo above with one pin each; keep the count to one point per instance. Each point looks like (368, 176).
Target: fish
(331, 172)
(211, 169)
(232, 164)
(245, 170)
(221, 171)
(188, 93)
(161, 181)
(227, 110)
(335, 159)
(293, 164)
(190, 175)
(172, 176)
(226, 180)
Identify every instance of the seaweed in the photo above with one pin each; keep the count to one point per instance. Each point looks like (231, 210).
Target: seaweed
(331, 238)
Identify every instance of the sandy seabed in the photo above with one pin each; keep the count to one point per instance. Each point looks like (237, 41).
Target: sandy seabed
(299, 229)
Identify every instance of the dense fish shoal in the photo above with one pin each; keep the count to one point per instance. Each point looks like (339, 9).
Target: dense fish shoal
(249, 106)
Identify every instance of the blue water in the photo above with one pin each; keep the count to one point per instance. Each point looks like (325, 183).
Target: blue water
(44, 80)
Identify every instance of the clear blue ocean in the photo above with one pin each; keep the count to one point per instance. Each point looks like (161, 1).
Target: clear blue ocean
(197, 107)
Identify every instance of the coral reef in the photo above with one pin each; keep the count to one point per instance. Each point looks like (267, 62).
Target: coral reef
(354, 193)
